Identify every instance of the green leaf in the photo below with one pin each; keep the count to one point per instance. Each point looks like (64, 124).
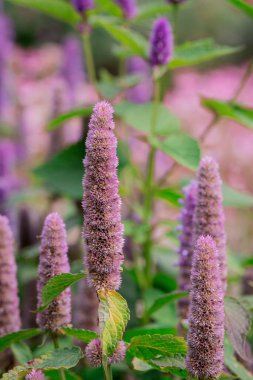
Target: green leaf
(60, 10)
(60, 358)
(169, 195)
(132, 40)
(233, 111)
(59, 120)
(243, 6)
(148, 330)
(18, 336)
(109, 7)
(157, 347)
(22, 352)
(16, 373)
(151, 11)
(181, 147)
(139, 116)
(237, 324)
(233, 365)
(196, 52)
(56, 285)
(113, 317)
(163, 300)
(237, 199)
(80, 334)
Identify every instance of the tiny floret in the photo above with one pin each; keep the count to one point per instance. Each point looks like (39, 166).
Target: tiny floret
(94, 353)
(161, 42)
(35, 375)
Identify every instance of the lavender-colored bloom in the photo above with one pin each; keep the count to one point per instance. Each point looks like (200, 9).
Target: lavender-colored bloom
(128, 7)
(73, 65)
(161, 42)
(35, 375)
(82, 5)
(54, 261)
(8, 182)
(93, 353)
(86, 307)
(206, 318)
(186, 245)
(103, 229)
(209, 214)
(9, 301)
(143, 91)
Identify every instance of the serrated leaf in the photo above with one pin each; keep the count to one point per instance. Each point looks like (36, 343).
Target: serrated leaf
(132, 40)
(113, 317)
(235, 198)
(236, 112)
(163, 300)
(22, 352)
(196, 52)
(60, 10)
(17, 336)
(56, 285)
(139, 116)
(181, 147)
(169, 195)
(243, 6)
(60, 358)
(59, 120)
(149, 330)
(233, 365)
(16, 373)
(155, 347)
(237, 324)
(80, 334)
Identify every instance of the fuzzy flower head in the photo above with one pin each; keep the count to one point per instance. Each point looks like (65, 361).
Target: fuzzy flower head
(161, 42)
(82, 5)
(53, 261)
(94, 353)
(9, 301)
(209, 214)
(103, 230)
(128, 7)
(186, 244)
(206, 318)
(35, 375)
(142, 92)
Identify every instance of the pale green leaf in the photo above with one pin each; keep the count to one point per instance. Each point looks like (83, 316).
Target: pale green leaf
(56, 285)
(59, 120)
(151, 11)
(233, 365)
(60, 358)
(80, 334)
(243, 6)
(17, 373)
(164, 300)
(113, 317)
(22, 352)
(235, 198)
(169, 195)
(17, 336)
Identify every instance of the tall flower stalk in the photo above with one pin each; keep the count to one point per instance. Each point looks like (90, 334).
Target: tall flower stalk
(53, 261)
(9, 301)
(209, 214)
(206, 319)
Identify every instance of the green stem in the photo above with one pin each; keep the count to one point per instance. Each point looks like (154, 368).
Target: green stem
(107, 371)
(56, 345)
(148, 201)
(89, 59)
(175, 12)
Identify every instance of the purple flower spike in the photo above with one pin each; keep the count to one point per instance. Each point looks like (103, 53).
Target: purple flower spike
(9, 301)
(206, 320)
(54, 261)
(143, 91)
(93, 353)
(186, 245)
(128, 7)
(73, 65)
(161, 42)
(35, 375)
(103, 230)
(82, 5)
(209, 215)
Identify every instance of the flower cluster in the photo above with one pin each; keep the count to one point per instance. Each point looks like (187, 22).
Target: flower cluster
(94, 353)
(161, 42)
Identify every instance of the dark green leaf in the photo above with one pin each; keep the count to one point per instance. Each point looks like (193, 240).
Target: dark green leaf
(243, 6)
(60, 358)
(80, 334)
(196, 52)
(169, 195)
(183, 148)
(163, 300)
(234, 198)
(139, 116)
(56, 285)
(60, 10)
(59, 120)
(233, 111)
(149, 330)
(237, 323)
(18, 336)
(113, 317)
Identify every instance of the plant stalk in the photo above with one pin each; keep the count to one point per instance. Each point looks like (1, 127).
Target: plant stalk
(89, 59)
(56, 345)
